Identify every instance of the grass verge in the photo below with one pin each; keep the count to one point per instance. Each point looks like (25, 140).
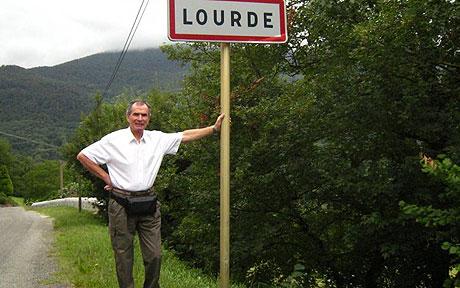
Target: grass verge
(18, 200)
(86, 258)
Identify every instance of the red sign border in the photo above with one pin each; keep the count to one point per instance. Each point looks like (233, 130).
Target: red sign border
(173, 36)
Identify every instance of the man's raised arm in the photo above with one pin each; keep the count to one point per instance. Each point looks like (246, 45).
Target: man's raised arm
(195, 134)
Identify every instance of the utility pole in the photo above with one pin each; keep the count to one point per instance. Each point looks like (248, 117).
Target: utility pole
(61, 174)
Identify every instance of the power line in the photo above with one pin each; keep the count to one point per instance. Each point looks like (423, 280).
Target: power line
(29, 140)
(128, 41)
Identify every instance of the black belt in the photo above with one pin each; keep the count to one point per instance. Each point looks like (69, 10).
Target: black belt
(122, 192)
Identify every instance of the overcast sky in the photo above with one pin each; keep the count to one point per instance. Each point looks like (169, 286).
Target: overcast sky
(49, 32)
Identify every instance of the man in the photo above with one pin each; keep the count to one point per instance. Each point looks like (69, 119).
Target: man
(133, 157)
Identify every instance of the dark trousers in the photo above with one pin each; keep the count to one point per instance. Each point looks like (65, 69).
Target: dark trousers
(122, 228)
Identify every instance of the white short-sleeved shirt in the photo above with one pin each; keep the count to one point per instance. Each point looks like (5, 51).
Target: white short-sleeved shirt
(133, 166)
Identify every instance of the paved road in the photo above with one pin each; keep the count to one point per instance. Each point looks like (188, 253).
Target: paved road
(26, 240)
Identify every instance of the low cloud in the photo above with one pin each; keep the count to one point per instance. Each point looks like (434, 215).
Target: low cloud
(49, 32)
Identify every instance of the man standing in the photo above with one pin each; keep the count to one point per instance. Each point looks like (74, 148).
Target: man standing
(133, 157)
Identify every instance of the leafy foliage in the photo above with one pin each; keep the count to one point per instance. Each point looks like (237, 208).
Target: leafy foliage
(444, 217)
(42, 181)
(5, 153)
(6, 160)
(6, 186)
(321, 159)
(19, 171)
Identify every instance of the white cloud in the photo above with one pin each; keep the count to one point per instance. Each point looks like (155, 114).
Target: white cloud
(48, 32)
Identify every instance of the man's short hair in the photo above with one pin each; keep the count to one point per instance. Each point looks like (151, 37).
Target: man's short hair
(138, 102)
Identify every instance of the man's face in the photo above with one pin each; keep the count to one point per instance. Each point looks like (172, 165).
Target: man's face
(139, 117)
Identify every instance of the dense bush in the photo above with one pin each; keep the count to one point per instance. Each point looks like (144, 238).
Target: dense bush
(442, 215)
(4, 200)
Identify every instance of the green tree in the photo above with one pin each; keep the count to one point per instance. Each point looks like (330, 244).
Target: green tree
(6, 158)
(42, 181)
(20, 167)
(261, 99)
(6, 186)
(326, 136)
(443, 216)
(377, 72)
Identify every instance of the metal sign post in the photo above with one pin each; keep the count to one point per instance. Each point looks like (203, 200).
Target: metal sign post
(225, 167)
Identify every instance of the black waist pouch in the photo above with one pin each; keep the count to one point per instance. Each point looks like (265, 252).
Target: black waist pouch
(141, 205)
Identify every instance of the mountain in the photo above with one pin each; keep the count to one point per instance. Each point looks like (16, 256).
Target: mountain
(141, 70)
(44, 104)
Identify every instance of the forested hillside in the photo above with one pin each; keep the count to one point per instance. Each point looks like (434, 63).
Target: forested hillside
(140, 70)
(45, 103)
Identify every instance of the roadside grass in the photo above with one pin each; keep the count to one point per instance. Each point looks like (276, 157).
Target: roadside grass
(86, 259)
(18, 200)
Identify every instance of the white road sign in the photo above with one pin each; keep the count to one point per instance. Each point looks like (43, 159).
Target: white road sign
(253, 21)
